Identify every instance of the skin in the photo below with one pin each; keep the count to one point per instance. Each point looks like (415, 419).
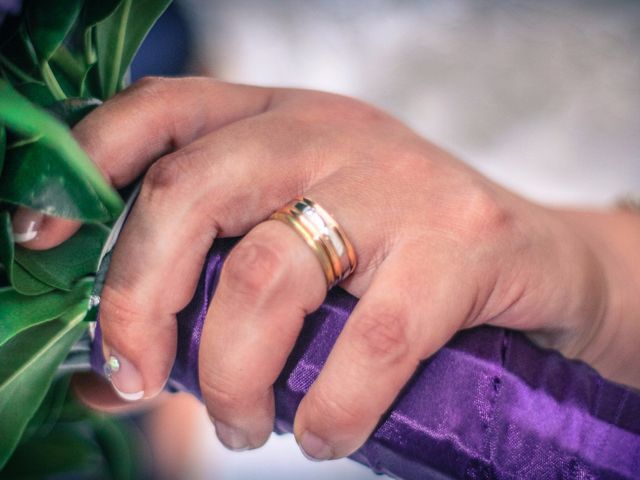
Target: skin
(440, 248)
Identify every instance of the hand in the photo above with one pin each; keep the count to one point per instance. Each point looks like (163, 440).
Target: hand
(440, 248)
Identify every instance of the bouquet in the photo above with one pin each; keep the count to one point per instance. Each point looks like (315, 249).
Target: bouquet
(58, 61)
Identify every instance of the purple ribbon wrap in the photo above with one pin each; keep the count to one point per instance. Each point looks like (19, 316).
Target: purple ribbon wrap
(490, 404)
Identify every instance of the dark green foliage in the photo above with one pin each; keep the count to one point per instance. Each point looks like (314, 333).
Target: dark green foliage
(60, 179)
(65, 439)
(35, 176)
(122, 33)
(29, 362)
(19, 312)
(3, 146)
(61, 267)
(58, 61)
(21, 280)
(49, 23)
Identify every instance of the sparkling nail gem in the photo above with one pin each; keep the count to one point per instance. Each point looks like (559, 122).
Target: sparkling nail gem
(111, 366)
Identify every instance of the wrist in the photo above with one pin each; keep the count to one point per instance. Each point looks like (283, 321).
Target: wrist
(611, 335)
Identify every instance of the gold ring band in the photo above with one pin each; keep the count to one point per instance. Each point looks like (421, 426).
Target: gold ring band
(345, 249)
(317, 247)
(323, 235)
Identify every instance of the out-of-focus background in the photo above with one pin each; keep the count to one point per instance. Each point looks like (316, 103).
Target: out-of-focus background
(542, 96)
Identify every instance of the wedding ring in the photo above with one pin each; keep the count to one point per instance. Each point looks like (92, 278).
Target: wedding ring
(323, 235)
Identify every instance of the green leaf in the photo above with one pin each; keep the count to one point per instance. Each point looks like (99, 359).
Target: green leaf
(19, 278)
(119, 447)
(68, 62)
(4, 280)
(93, 12)
(49, 411)
(3, 146)
(66, 451)
(68, 68)
(74, 411)
(34, 88)
(26, 283)
(17, 50)
(6, 240)
(15, 74)
(119, 37)
(37, 177)
(97, 10)
(49, 23)
(52, 81)
(17, 113)
(19, 312)
(27, 365)
(63, 265)
(37, 92)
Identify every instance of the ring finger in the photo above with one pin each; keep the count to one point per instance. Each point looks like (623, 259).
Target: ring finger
(269, 283)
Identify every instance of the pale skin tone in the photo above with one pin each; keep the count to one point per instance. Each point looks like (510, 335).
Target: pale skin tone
(440, 248)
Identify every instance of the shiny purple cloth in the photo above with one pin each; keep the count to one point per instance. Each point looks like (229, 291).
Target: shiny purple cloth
(489, 404)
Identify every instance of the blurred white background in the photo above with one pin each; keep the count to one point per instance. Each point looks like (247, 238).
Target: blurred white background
(543, 96)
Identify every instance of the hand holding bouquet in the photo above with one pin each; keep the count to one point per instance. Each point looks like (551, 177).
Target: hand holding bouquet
(439, 249)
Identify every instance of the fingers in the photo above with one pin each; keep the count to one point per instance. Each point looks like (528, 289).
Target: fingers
(129, 132)
(394, 326)
(186, 199)
(269, 282)
(159, 115)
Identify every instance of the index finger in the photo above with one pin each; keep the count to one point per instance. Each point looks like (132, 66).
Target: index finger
(130, 131)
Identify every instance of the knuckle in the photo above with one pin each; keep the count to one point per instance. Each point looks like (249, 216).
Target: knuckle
(168, 174)
(119, 308)
(220, 393)
(336, 412)
(382, 334)
(484, 213)
(254, 267)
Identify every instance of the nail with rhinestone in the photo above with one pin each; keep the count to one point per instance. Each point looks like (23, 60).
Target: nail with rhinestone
(124, 377)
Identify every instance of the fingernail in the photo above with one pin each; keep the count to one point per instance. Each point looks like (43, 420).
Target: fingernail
(232, 437)
(314, 448)
(26, 223)
(124, 377)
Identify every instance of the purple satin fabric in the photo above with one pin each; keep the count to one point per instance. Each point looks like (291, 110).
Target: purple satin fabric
(489, 404)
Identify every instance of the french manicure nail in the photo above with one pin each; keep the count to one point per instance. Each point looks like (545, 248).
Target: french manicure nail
(314, 448)
(124, 377)
(26, 223)
(232, 437)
